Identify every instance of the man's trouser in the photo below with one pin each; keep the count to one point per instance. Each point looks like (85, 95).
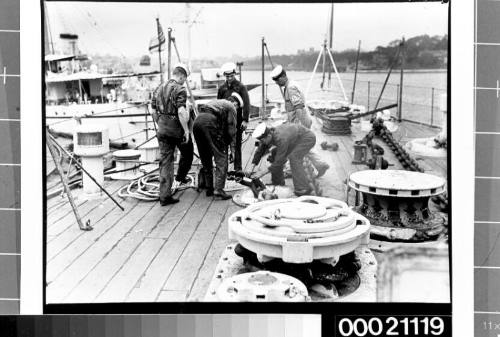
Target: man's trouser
(167, 149)
(316, 160)
(237, 151)
(296, 158)
(210, 145)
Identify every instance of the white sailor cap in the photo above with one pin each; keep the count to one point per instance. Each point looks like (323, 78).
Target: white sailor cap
(238, 97)
(228, 68)
(260, 131)
(277, 72)
(183, 67)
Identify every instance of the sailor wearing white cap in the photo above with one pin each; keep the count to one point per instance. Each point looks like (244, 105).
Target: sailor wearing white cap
(259, 131)
(297, 111)
(230, 86)
(182, 67)
(174, 122)
(292, 142)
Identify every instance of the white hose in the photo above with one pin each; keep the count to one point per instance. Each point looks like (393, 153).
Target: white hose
(147, 188)
(337, 215)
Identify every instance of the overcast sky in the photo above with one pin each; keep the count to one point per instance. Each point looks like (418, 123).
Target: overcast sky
(228, 29)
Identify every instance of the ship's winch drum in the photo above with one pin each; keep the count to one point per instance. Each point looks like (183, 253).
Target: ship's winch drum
(299, 230)
(397, 203)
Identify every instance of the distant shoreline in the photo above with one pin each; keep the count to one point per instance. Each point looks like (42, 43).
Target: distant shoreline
(364, 71)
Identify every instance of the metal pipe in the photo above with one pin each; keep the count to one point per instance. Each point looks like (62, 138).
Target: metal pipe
(96, 116)
(387, 77)
(263, 115)
(330, 44)
(324, 64)
(355, 72)
(272, 65)
(432, 107)
(313, 72)
(400, 103)
(84, 170)
(239, 65)
(368, 105)
(159, 47)
(390, 106)
(337, 74)
(187, 84)
(50, 145)
(169, 52)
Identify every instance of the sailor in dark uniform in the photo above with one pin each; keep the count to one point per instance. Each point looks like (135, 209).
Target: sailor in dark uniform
(292, 142)
(214, 131)
(230, 86)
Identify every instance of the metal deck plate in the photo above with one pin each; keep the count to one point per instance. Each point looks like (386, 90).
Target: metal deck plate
(231, 265)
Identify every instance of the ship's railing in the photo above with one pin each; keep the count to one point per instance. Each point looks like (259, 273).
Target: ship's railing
(420, 104)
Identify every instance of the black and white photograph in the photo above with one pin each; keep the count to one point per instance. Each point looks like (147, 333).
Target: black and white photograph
(246, 152)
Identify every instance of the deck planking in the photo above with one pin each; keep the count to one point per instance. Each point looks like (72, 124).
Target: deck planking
(161, 266)
(168, 254)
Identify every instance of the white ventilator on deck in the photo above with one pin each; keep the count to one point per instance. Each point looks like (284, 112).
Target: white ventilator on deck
(150, 152)
(91, 143)
(426, 147)
(299, 230)
(262, 286)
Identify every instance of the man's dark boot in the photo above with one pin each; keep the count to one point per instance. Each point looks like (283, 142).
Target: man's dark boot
(210, 192)
(222, 195)
(300, 193)
(183, 181)
(168, 201)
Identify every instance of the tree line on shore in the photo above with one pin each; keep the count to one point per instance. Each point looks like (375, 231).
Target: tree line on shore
(420, 52)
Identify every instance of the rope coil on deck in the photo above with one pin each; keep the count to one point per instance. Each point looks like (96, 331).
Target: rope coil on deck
(335, 122)
(147, 188)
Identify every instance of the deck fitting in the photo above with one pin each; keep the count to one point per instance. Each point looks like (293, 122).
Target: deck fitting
(397, 204)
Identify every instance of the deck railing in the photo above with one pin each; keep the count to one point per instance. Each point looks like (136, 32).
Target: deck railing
(420, 104)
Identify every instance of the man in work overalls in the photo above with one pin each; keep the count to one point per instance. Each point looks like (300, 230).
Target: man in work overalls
(173, 131)
(230, 86)
(214, 130)
(297, 111)
(292, 142)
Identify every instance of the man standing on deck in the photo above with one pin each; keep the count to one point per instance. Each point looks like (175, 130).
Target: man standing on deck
(292, 142)
(173, 120)
(297, 111)
(232, 85)
(214, 130)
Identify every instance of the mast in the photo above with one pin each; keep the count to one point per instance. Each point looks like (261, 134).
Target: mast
(188, 35)
(169, 52)
(400, 103)
(355, 73)
(263, 116)
(330, 45)
(324, 63)
(49, 47)
(160, 33)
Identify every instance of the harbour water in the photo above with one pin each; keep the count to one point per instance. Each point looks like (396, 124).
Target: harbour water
(421, 90)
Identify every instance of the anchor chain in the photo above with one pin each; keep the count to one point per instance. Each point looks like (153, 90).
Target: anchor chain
(404, 157)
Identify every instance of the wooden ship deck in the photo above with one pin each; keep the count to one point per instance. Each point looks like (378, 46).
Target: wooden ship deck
(150, 253)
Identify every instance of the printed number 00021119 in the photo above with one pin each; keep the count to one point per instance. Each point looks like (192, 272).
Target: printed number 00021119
(391, 326)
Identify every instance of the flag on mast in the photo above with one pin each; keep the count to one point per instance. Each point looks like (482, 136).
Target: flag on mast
(156, 43)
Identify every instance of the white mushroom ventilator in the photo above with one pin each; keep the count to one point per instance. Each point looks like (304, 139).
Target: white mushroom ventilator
(91, 143)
